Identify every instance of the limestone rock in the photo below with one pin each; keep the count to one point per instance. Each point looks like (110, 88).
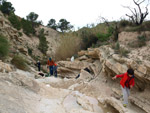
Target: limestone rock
(93, 53)
(82, 58)
(142, 69)
(5, 67)
(84, 75)
(68, 73)
(82, 53)
(118, 59)
(23, 50)
(74, 65)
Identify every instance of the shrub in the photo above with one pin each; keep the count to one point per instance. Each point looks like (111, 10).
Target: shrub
(120, 50)
(19, 62)
(135, 29)
(88, 37)
(4, 47)
(143, 27)
(103, 37)
(15, 21)
(110, 30)
(30, 51)
(27, 27)
(123, 52)
(146, 25)
(117, 46)
(140, 42)
(43, 45)
(20, 34)
(6, 7)
(125, 23)
(69, 46)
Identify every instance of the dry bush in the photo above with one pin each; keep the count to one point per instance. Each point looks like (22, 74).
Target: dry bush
(20, 62)
(120, 50)
(69, 45)
(140, 42)
(4, 47)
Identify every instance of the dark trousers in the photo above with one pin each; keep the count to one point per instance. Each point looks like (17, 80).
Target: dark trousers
(51, 70)
(55, 71)
(39, 69)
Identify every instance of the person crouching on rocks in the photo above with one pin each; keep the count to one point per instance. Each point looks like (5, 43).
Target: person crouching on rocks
(127, 82)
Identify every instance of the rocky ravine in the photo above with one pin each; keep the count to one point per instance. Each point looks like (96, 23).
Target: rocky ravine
(93, 92)
(21, 93)
(104, 63)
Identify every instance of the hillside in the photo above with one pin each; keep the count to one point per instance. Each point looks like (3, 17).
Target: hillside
(84, 85)
(23, 43)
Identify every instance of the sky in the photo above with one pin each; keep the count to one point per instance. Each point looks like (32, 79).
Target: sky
(78, 12)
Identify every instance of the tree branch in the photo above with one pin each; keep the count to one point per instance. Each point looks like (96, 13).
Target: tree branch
(131, 17)
(130, 10)
(146, 13)
(137, 15)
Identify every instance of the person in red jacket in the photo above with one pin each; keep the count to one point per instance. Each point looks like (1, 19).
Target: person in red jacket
(50, 64)
(126, 83)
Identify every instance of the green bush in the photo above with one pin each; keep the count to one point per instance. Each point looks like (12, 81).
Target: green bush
(19, 62)
(125, 23)
(116, 47)
(110, 30)
(30, 51)
(141, 40)
(4, 47)
(88, 37)
(120, 50)
(20, 34)
(15, 21)
(27, 27)
(103, 37)
(6, 7)
(43, 45)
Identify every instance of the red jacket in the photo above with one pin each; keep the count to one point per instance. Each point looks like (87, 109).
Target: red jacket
(55, 64)
(124, 78)
(50, 63)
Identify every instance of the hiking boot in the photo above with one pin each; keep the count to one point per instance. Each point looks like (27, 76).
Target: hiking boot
(124, 105)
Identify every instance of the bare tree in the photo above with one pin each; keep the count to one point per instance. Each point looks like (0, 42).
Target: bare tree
(103, 19)
(138, 16)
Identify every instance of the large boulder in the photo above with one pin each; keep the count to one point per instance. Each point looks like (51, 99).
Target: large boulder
(77, 65)
(93, 53)
(82, 53)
